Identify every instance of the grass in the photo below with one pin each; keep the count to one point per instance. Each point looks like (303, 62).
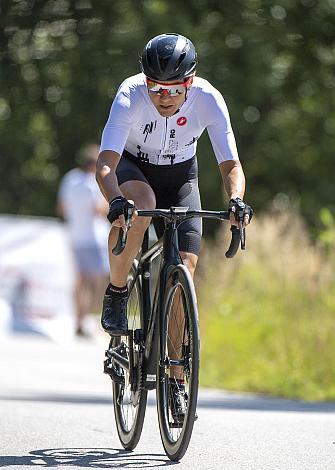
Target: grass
(268, 316)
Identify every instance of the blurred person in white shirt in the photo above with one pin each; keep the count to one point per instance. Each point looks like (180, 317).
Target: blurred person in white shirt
(82, 206)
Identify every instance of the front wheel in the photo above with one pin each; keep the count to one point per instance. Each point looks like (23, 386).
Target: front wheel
(178, 363)
(130, 398)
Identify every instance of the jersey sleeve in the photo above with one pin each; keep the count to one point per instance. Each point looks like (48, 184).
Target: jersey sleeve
(117, 128)
(219, 128)
(63, 189)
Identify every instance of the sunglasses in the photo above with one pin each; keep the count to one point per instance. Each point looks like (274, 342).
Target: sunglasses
(173, 89)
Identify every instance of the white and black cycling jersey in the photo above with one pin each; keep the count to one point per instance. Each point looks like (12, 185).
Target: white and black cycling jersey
(135, 125)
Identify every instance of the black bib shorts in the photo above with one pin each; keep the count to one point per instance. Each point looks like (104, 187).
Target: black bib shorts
(173, 185)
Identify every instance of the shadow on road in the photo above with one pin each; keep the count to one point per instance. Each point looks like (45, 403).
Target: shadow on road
(224, 401)
(260, 403)
(86, 458)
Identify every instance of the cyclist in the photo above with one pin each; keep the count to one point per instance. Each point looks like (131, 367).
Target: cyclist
(148, 155)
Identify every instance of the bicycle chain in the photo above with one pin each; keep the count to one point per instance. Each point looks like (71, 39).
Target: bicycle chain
(139, 379)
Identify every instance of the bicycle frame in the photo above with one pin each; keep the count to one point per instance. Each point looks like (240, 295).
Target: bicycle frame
(152, 310)
(168, 245)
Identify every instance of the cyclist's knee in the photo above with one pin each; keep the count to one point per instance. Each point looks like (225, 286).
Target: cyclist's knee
(146, 201)
(141, 193)
(140, 224)
(144, 198)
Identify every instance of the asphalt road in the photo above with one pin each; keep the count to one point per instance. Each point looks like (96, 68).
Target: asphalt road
(56, 412)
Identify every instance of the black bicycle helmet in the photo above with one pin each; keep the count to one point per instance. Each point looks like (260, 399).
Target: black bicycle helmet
(168, 57)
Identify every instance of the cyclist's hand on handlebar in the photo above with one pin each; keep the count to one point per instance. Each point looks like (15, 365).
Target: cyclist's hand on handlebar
(118, 212)
(239, 212)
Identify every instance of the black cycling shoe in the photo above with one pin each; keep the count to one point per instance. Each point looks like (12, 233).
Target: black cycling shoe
(114, 319)
(177, 401)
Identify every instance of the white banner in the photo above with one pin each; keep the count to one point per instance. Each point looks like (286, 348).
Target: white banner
(36, 277)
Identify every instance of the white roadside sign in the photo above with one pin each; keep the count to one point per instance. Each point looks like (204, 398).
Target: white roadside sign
(36, 277)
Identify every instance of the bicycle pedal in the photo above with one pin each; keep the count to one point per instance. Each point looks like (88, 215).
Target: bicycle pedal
(178, 424)
(113, 372)
(150, 382)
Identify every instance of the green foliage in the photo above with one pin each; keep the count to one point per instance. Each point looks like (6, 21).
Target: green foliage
(327, 234)
(267, 318)
(62, 61)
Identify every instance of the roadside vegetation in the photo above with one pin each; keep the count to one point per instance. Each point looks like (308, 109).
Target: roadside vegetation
(268, 316)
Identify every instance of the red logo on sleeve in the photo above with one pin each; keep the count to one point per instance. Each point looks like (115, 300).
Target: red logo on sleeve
(182, 121)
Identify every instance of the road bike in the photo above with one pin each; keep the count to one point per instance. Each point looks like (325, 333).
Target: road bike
(162, 348)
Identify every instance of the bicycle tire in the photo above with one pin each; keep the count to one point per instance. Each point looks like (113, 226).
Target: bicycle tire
(176, 435)
(129, 427)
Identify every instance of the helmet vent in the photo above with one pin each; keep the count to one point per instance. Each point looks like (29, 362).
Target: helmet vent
(180, 60)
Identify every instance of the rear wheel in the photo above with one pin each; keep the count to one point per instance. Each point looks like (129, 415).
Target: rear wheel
(129, 398)
(178, 364)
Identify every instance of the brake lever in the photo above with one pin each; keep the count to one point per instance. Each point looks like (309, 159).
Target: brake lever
(122, 238)
(242, 234)
(130, 212)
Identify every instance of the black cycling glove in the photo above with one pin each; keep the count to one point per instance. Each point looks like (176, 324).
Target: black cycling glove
(118, 206)
(240, 209)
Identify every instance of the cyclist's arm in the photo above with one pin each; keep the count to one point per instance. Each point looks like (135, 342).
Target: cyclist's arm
(106, 176)
(223, 141)
(233, 178)
(234, 184)
(113, 141)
